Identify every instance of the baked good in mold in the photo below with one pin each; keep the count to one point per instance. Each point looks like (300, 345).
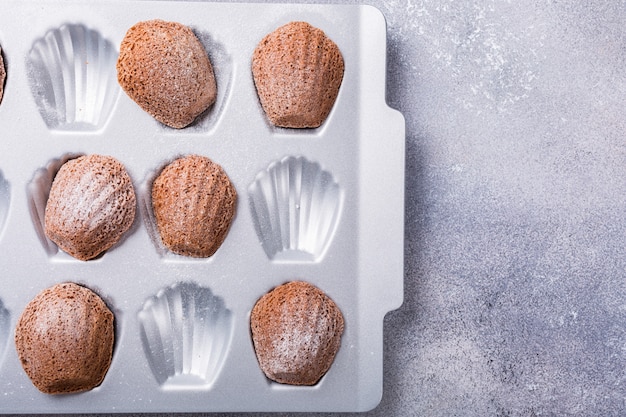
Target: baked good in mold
(3, 76)
(64, 339)
(297, 72)
(91, 205)
(296, 331)
(194, 203)
(164, 68)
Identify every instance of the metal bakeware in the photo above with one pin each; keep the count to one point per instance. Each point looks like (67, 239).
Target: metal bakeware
(182, 325)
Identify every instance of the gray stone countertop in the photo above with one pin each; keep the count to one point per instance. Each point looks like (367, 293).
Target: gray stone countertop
(515, 259)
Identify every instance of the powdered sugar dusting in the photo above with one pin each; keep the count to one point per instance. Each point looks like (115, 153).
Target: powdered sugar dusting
(299, 343)
(91, 204)
(296, 330)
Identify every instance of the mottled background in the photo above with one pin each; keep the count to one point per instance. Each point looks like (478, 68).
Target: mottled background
(515, 268)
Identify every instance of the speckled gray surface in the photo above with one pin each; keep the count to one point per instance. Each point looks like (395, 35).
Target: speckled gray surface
(515, 283)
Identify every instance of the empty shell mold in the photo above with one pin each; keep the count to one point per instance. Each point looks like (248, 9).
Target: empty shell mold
(295, 206)
(72, 77)
(186, 332)
(322, 205)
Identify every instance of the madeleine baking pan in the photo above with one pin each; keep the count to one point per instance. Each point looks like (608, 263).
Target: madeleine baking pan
(322, 205)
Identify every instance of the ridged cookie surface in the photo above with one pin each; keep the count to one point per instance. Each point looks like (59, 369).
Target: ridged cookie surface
(3, 76)
(165, 69)
(64, 339)
(194, 203)
(296, 330)
(297, 72)
(91, 205)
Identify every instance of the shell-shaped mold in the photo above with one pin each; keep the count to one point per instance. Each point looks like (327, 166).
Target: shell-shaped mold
(72, 77)
(186, 332)
(5, 328)
(295, 207)
(5, 200)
